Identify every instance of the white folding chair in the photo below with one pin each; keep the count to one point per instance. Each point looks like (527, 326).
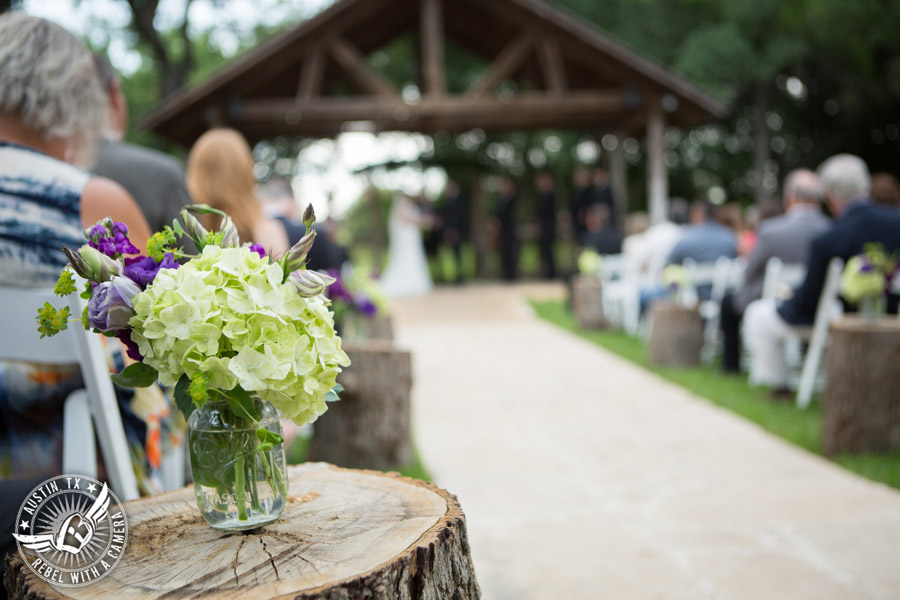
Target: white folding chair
(828, 309)
(780, 276)
(616, 273)
(728, 274)
(97, 399)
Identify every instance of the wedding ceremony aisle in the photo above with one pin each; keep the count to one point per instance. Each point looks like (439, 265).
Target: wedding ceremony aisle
(584, 476)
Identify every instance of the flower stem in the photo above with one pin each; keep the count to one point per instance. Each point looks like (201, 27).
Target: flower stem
(254, 493)
(239, 484)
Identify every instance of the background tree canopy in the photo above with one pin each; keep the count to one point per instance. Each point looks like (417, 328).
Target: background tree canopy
(806, 79)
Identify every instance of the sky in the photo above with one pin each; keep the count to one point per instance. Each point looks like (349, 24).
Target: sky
(326, 168)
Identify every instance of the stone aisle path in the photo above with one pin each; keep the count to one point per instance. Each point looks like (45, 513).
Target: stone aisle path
(583, 476)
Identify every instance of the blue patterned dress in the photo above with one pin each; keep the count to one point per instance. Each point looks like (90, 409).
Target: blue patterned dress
(40, 199)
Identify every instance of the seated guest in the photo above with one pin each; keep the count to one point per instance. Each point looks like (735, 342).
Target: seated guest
(885, 189)
(601, 234)
(705, 240)
(51, 110)
(220, 173)
(154, 179)
(786, 237)
(845, 181)
(653, 247)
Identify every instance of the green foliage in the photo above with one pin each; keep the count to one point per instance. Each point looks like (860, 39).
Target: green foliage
(65, 285)
(802, 427)
(52, 320)
(135, 375)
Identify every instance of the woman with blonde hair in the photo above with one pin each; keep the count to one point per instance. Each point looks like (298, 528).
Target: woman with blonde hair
(220, 174)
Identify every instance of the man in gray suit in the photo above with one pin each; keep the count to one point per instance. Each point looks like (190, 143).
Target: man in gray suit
(154, 179)
(786, 237)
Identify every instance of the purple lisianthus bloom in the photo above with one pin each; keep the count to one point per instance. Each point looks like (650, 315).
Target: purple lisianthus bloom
(111, 238)
(109, 308)
(365, 306)
(258, 248)
(143, 269)
(131, 348)
(336, 291)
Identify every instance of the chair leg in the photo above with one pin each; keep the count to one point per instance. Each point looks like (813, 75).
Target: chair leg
(172, 468)
(810, 369)
(79, 449)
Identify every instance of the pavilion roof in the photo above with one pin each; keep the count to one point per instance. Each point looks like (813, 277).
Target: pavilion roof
(544, 68)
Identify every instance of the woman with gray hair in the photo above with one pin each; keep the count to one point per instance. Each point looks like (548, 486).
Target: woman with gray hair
(51, 111)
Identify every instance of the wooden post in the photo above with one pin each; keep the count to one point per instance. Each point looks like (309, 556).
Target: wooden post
(618, 178)
(587, 302)
(676, 335)
(509, 59)
(431, 33)
(861, 408)
(311, 74)
(343, 534)
(657, 179)
(370, 427)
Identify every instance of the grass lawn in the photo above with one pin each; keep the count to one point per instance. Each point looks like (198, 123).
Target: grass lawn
(296, 454)
(784, 419)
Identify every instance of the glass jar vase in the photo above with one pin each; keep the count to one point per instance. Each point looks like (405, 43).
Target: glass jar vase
(873, 308)
(238, 465)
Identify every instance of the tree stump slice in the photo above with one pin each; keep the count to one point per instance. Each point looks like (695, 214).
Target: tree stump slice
(344, 534)
(861, 407)
(676, 335)
(587, 302)
(370, 427)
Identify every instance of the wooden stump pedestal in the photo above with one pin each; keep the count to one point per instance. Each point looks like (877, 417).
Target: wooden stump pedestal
(861, 408)
(370, 427)
(343, 534)
(587, 302)
(676, 335)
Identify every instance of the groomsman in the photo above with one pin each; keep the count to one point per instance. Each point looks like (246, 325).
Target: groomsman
(546, 210)
(505, 213)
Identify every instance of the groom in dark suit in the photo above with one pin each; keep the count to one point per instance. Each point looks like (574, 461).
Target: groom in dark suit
(787, 237)
(845, 181)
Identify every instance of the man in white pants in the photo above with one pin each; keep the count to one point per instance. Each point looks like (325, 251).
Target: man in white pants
(845, 182)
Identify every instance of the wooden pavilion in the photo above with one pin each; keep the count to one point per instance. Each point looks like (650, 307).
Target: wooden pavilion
(545, 69)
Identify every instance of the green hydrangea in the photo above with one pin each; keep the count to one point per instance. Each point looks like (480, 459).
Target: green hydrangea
(226, 315)
(588, 262)
(861, 279)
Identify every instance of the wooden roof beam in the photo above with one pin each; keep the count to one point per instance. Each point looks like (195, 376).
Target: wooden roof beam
(431, 34)
(503, 66)
(310, 84)
(552, 67)
(356, 66)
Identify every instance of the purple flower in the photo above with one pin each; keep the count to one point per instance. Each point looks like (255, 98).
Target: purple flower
(143, 269)
(111, 238)
(109, 308)
(258, 248)
(336, 291)
(365, 306)
(131, 348)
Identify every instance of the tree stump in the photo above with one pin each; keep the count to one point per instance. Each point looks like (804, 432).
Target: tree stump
(587, 302)
(861, 407)
(370, 427)
(361, 329)
(676, 335)
(343, 534)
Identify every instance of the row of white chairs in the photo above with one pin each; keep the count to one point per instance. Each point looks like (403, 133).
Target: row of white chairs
(621, 298)
(91, 408)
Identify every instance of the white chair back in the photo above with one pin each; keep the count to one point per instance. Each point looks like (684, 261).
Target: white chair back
(828, 309)
(620, 292)
(74, 345)
(780, 275)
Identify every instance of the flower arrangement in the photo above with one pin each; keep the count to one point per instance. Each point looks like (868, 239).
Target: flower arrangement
(867, 277)
(589, 262)
(228, 326)
(674, 279)
(354, 293)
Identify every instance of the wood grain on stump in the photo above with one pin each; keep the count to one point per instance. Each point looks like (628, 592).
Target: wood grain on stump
(861, 408)
(370, 427)
(587, 302)
(344, 534)
(676, 335)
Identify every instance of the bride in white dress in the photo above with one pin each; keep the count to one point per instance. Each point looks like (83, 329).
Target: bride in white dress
(406, 273)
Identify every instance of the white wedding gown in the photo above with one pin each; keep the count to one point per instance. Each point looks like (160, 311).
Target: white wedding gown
(406, 273)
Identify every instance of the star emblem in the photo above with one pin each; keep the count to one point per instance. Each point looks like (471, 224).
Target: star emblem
(24, 525)
(92, 488)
